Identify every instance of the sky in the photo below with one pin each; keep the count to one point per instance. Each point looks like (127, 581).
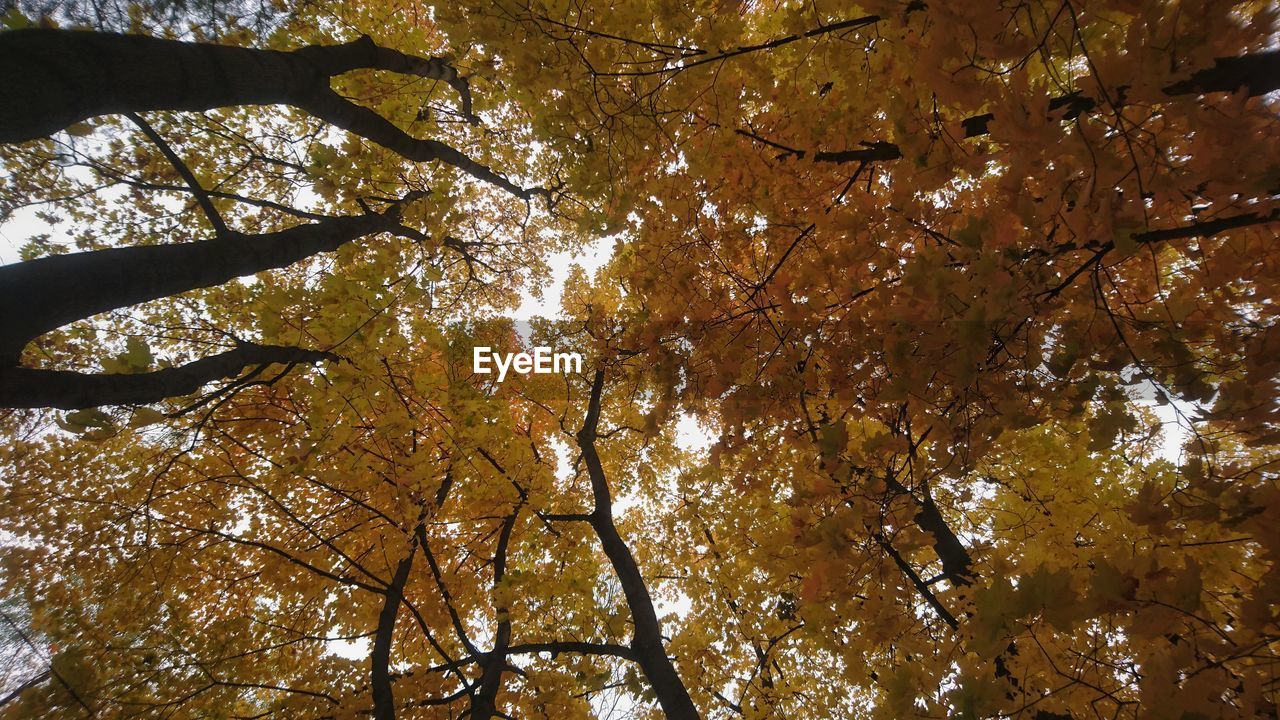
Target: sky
(15, 231)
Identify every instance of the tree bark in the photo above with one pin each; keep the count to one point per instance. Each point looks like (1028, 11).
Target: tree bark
(647, 635)
(51, 79)
(40, 295)
(32, 388)
(54, 78)
(484, 704)
(956, 563)
(384, 707)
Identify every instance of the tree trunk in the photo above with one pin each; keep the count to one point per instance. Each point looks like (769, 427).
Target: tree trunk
(646, 641)
(34, 388)
(44, 294)
(50, 79)
(53, 78)
(384, 702)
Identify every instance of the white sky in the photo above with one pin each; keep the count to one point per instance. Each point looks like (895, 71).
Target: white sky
(592, 257)
(15, 232)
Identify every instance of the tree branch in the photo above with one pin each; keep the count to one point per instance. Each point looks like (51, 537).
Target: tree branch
(202, 196)
(33, 388)
(1257, 73)
(920, 585)
(54, 78)
(703, 58)
(484, 703)
(1208, 228)
(24, 686)
(358, 120)
(956, 562)
(44, 294)
(365, 53)
(458, 627)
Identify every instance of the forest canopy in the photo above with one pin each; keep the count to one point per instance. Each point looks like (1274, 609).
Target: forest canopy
(930, 359)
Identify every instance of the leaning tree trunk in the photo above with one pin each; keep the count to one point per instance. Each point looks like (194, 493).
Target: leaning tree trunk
(40, 295)
(51, 79)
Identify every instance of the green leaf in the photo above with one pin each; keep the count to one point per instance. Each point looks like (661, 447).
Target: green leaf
(91, 417)
(144, 416)
(137, 355)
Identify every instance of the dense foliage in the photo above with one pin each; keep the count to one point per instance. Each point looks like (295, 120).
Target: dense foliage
(976, 305)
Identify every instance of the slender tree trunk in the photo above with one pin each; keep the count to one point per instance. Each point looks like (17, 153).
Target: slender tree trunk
(384, 707)
(647, 638)
(34, 388)
(484, 705)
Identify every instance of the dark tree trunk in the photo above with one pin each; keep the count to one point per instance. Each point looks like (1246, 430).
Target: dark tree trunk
(50, 79)
(33, 388)
(44, 294)
(384, 704)
(53, 78)
(646, 641)
(484, 704)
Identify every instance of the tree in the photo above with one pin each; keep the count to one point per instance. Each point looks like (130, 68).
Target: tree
(73, 76)
(926, 274)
